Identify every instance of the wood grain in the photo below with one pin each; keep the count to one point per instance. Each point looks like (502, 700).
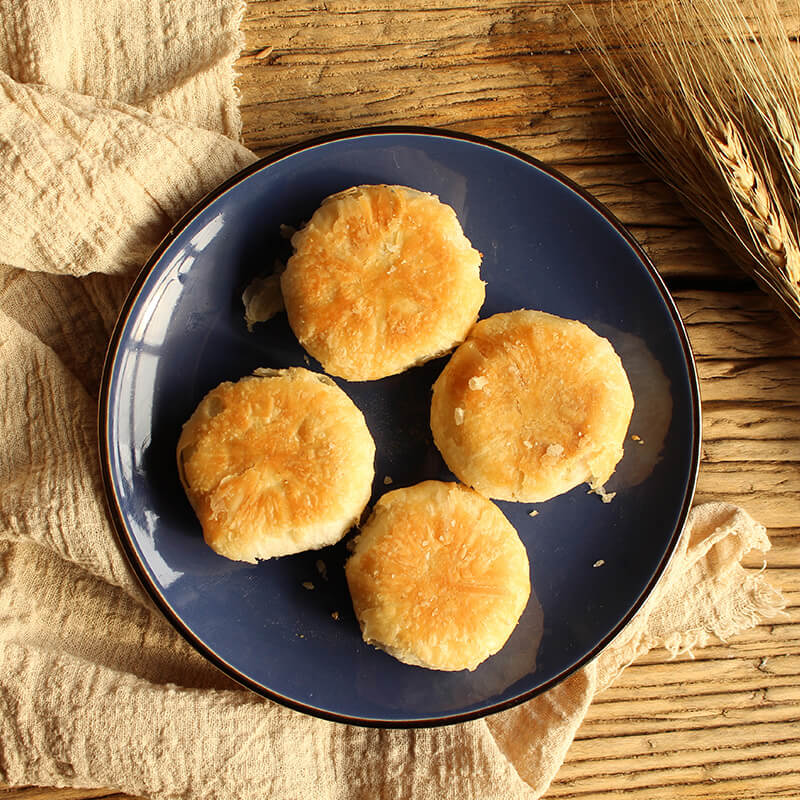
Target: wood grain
(724, 724)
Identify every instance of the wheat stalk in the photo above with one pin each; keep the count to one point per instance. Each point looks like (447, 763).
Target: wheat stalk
(765, 221)
(708, 91)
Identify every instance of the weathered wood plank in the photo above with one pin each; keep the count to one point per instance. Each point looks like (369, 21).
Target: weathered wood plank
(682, 252)
(731, 449)
(769, 491)
(754, 432)
(674, 678)
(700, 712)
(774, 786)
(682, 781)
(750, 380)
(717, 743)
(735, 325)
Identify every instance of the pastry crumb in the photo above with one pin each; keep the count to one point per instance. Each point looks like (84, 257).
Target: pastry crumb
(637, 439)
(308, 585)
(533, 513)
(388, 480)
(307, 360)
(478, 383)
(458, 414)
(287, 231)
(335, 615)
(600, 491)
(599, 563)
(322, 569)
(262, 300)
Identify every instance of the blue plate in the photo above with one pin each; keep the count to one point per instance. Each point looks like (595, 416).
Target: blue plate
(546, 245)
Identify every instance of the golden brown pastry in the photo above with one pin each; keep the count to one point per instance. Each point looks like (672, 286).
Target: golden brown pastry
(530, 406)
(439, 577)
(382, 278)
(278, 462)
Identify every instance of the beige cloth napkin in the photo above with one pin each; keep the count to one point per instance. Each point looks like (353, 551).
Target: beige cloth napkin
(115, 116)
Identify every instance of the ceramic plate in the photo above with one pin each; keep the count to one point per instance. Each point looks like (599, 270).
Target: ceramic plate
(546, 245)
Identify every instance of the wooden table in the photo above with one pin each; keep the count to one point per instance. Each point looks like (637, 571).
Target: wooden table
(726, 723)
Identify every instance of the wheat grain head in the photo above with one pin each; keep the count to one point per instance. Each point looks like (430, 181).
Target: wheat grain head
(708, 91)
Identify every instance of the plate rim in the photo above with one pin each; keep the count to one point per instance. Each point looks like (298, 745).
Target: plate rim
(117, 518)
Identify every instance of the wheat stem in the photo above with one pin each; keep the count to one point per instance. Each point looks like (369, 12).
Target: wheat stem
(708, 91)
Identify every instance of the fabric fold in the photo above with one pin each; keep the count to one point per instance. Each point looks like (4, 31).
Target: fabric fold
(174, 59)
(92, 185)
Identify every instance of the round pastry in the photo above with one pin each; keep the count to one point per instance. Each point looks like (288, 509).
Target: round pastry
(438, 577)
(530, 406)
(278, 462)
(382, 278)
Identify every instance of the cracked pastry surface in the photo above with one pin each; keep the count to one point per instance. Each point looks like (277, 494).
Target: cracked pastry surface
(382, 279)
(439, 577)
(276, 463)
(530, 406)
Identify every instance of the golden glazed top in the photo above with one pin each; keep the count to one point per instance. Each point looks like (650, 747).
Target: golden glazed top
(276, 463)
(530, 406)
(438, 577)
(382, 278)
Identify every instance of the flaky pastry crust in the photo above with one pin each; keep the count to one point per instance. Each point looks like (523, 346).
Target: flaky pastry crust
(382, 278)
(530, 406)
(276, 463)
(439, 577)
